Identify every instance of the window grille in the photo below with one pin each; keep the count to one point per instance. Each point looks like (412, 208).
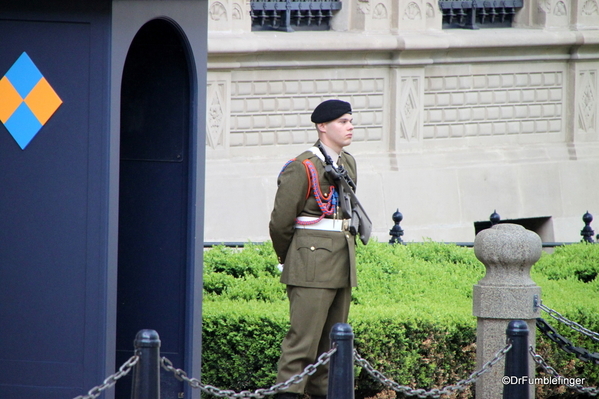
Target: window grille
(474, 14)
(292, 15)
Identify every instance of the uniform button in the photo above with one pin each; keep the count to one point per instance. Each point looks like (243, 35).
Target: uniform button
(312, 248)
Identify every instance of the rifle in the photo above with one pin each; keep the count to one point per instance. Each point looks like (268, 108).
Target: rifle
(350, 206)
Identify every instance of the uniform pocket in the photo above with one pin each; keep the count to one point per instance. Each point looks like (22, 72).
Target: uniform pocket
(314, 252)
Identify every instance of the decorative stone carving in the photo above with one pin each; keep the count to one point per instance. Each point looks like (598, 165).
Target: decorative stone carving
(409, 108)
(237, 11)
(364, 8)
(430, 11)
(412, 12)
(590, 7)
(218, 11)
(215, 120)
(229, 16)
(544, 6)
(587, 102)
(380, 12)
(560, 9)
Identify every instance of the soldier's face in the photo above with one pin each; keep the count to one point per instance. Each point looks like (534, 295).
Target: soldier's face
(338, 133)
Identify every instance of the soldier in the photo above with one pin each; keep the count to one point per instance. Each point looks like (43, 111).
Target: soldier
(314, 246)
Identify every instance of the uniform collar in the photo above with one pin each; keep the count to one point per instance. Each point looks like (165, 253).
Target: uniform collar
(330, 152)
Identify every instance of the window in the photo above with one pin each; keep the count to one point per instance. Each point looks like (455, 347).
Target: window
(292, 15)
(474, 14)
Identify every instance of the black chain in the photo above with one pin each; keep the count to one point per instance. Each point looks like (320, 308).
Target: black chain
(434, 393)
(257, 394)
(572, 383)
(565, 344)
(572, 324)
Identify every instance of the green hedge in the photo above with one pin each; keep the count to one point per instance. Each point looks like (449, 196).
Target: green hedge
(411, 314)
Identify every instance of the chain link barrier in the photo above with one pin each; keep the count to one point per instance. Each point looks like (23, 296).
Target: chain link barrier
(323, 359)
(593, 391)
(433, 393)
(573, 325)
(259, 393)
(111, 380)
(565, 344)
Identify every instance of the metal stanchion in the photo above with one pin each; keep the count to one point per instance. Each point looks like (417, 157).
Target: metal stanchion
(146, 375)
(341, 369)
(516, 383)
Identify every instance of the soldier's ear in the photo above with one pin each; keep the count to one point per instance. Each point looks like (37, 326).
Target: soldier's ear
(321, 127)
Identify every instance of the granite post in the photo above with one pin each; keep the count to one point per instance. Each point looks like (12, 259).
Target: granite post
(505, 293)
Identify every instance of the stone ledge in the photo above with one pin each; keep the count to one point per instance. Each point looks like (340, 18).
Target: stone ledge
(220, 43)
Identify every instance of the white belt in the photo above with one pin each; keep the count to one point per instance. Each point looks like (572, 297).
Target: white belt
(323, 224)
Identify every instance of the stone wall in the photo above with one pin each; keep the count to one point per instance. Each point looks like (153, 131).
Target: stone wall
(450, 124)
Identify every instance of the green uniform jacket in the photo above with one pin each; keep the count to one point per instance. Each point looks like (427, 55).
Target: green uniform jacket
(311, 258)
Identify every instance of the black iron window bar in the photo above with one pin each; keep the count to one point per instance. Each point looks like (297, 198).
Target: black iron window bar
(479, 14)
(292, 15)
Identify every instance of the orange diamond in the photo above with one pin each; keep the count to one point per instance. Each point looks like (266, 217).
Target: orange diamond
(9, 99)
(43, 101)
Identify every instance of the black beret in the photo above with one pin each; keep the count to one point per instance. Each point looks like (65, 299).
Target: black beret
(330, 110)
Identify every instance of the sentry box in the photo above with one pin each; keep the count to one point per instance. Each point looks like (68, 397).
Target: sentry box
(102, 133)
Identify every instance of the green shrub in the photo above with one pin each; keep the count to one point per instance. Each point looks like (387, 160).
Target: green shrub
(411, 314)
(233, 274)
(241, 343)
(252, 260)
(571, 261)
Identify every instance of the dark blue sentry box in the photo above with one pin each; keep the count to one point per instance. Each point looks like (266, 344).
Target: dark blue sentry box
(101, 190)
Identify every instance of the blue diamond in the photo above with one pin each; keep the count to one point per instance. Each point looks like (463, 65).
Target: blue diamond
(24, 75)
(23, 125)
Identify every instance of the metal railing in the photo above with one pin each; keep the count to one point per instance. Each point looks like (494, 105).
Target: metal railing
(292, 15)
(396, 232)
(474, 14)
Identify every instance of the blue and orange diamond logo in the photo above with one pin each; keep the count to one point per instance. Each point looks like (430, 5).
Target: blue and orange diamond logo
(27, 100)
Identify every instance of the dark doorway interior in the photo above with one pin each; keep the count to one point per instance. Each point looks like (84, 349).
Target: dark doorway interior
(154, 225)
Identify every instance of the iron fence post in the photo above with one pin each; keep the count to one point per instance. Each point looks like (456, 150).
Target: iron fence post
(587, 232)
(494, 218)
(396, 231)
(516, 383)
(146, 375)
(341, 368)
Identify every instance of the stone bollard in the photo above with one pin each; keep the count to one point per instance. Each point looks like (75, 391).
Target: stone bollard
(505, 293)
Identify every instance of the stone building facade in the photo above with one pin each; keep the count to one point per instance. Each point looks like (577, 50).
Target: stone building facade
(451, 124)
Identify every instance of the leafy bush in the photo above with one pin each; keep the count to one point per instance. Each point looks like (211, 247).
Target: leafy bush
(571, 261)
(558, 275)
(411, 314)
(251, 273)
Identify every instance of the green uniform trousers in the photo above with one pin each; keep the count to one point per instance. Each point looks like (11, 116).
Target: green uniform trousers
(313, 313)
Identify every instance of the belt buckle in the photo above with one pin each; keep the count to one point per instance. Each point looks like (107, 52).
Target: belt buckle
(345, 225)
